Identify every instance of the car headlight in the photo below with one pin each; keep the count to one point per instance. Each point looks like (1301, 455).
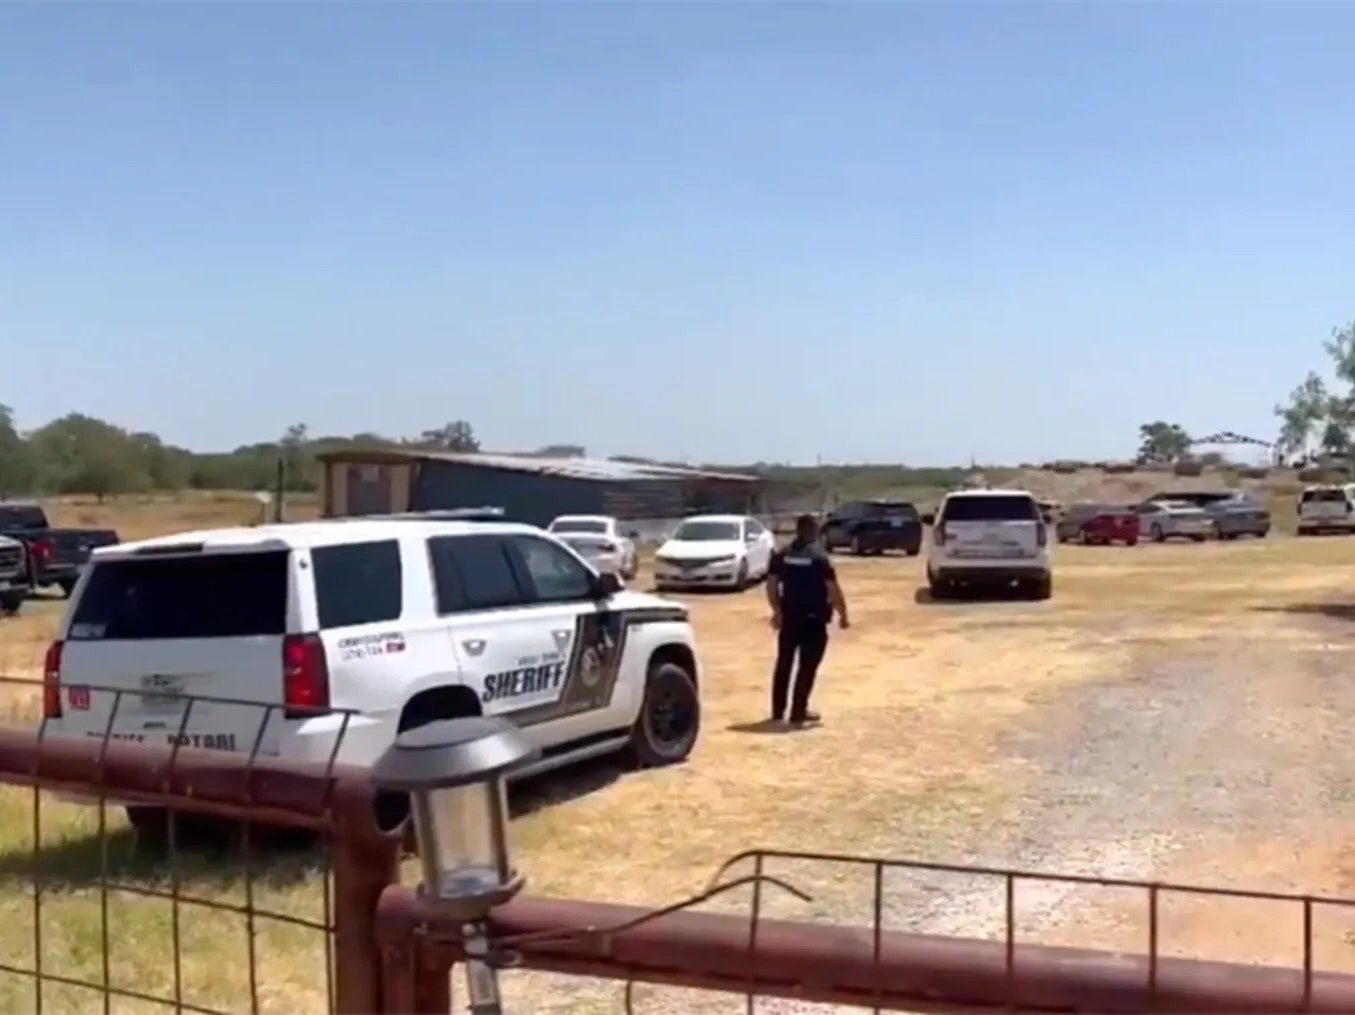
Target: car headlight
(719, 561)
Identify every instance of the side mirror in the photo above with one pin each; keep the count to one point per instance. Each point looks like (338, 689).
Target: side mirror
(608, 585)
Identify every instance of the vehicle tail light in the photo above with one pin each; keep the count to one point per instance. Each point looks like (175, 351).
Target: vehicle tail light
(51, 682)
(1041, 534)
(305, 676)
(939, 533)
(607, 547)
(42, 552)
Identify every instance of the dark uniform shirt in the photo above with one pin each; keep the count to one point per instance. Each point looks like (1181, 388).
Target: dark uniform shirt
(804, 571)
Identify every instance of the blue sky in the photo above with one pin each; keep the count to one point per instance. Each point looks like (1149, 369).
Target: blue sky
(725, 232)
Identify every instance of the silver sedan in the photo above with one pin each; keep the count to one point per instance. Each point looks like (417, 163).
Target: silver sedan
(1160, 520)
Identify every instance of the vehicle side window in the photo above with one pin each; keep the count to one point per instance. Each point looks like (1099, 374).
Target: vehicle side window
(473, 573)
(755, 527)
(357, 583)
(554, 575)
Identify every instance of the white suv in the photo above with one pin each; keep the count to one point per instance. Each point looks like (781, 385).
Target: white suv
(990, 537)
(1327, 509)
(370, 626)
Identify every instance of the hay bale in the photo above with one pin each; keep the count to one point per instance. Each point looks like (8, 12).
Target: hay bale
(1320, 474)
(1119, 468)
(1067, 468)
(1254, 472)
(1188, 468)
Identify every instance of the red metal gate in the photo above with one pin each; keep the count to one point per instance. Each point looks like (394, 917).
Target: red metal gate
(380, 948)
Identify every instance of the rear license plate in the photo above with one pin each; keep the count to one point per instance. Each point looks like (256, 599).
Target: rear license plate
(161, 692)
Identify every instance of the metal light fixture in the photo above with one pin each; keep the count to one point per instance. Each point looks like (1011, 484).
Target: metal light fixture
(455, 774)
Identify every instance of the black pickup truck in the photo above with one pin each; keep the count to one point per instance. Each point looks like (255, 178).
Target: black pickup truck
(55, 556)
(873, 526)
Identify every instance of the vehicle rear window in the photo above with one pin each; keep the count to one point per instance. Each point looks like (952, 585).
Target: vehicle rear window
(357, 583)
(1327, 496)
(22, 516)
(579, 525)
(900, 509)
(224, 595)
(995, 508)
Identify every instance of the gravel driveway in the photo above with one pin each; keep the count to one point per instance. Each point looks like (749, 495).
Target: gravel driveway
(1220, 754)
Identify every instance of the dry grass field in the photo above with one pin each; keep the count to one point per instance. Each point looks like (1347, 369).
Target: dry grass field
(1174, 712)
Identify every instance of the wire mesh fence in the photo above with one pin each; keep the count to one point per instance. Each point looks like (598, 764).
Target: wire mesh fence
(160, 876)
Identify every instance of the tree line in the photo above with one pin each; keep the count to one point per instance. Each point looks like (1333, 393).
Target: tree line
(82, 454)
(79, 454)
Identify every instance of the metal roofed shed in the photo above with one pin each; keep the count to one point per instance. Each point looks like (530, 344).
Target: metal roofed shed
(529, 488)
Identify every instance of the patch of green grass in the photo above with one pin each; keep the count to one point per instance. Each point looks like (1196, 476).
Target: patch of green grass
(77, 914)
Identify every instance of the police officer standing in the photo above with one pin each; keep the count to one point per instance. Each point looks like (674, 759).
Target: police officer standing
(803, 593)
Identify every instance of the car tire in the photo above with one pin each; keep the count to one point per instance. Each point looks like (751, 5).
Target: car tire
(1197, 539)
(11, 604)
(940, 589)
(913, 551)
(1156, 535)
(1131, 542)
(669, 722)
(858, 548)
(1042, 588)
(741, 579)
(67, 586)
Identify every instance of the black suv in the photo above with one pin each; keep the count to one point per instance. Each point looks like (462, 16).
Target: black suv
(874, 526)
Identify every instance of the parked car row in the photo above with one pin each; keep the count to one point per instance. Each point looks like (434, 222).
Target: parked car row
(1195, 516)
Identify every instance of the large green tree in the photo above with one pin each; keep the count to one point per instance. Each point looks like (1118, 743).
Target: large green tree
(16, 460)
(1321, 410)
(1162, 442)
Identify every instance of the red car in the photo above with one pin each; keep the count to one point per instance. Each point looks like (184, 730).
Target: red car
(1099, 525)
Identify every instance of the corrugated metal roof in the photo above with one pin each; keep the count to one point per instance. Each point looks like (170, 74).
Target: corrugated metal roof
(600, 469)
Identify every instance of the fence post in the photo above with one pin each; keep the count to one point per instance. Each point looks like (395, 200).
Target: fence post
(366, 862)
(415, 970)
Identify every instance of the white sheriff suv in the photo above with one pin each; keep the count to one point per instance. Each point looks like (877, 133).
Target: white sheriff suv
(370, 626)
(990, 537)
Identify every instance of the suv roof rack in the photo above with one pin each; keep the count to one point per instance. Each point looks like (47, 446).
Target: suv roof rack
(477, 514)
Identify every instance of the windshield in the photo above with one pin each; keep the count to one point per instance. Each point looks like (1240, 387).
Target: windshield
(1201, 499)
(996, 508)
(891, 509)
(590, 525)
(1326, 496)
(22, 516)
(704, 532)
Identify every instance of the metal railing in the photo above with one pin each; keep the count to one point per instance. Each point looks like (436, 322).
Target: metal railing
(867, 967)
(374, 945)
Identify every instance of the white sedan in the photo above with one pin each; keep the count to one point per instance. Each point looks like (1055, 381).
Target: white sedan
(598, 540)
(714, 551)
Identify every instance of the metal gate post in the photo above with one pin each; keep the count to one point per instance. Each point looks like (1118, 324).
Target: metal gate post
(415, 971)
(366, 862)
